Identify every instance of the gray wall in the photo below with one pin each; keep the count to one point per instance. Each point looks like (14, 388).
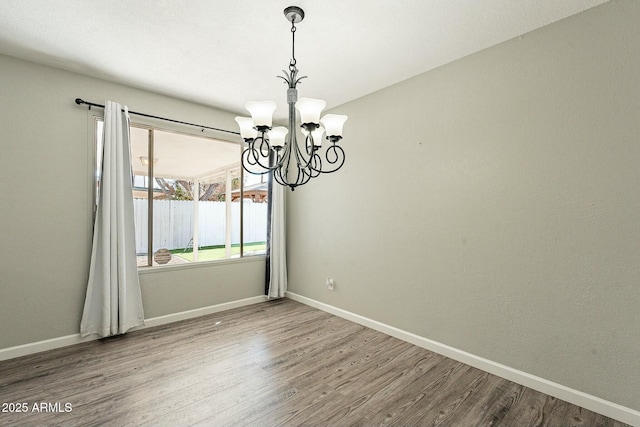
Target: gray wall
(46, 220)
(493, 205)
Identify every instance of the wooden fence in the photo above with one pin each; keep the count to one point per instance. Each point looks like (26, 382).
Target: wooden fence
(173, 223)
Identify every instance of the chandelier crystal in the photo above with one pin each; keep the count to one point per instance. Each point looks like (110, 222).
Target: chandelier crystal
(268, 149)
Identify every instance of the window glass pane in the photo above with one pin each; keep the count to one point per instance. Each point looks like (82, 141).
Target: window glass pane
(234, 190)
(99, 135)
(212, 219)
(193, 219)
(140, 166)
(255, 214)
(173, 220)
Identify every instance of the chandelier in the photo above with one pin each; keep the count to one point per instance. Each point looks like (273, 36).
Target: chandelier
(268, 149)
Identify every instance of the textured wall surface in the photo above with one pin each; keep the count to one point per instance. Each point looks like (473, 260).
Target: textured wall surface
(46, 170)
(493, 205)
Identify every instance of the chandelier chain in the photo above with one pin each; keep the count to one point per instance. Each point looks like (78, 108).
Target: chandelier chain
(293, 44)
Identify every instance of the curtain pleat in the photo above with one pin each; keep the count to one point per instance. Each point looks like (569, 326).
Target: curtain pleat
(267, 274)
(113, 303)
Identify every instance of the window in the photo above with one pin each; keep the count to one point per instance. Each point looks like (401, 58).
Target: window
(192, 200)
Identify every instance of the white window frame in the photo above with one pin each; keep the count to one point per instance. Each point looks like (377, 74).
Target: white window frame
(151, 127)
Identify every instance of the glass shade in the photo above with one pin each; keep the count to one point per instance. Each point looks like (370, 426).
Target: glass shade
(261, 112)
(246, 128)
(316, 134)
(310, 109)
(333, 124)
(276, 136)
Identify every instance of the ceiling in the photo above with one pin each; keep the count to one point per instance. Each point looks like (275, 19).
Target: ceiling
(224, 53)
(206, 159)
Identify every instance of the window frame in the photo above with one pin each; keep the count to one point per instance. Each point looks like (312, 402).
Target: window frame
(151, 126)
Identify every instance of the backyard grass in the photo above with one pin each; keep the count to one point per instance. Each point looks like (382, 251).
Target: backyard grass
(219, 252)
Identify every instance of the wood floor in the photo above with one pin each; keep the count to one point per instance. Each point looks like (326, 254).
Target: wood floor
(269, 364)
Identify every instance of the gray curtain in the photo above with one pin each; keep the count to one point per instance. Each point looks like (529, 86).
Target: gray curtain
(277, 244)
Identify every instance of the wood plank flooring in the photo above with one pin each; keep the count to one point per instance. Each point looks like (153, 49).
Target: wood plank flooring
(278, 363)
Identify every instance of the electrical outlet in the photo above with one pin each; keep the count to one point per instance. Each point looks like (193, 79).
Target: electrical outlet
(330, 284)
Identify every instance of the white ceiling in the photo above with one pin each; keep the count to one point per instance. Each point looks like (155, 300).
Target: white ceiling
(224, 53)
(206, 159)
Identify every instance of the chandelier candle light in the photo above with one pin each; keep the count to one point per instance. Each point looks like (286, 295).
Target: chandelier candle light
(268, 148)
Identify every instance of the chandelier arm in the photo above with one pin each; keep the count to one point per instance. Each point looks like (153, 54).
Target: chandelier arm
(247, 161)
(257, 155)
(250, 154)
(284, 163)
(304, 163)
(315, 166)
(277, 171)
(283, 174)
(254, 155)
(306, 177)
(277, 176)
(338, 152)
(265, 147)
(250, 159)
(303, 177)
(308, 143)
(338, 157)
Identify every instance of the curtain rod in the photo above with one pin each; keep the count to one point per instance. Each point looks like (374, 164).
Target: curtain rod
(80, 101)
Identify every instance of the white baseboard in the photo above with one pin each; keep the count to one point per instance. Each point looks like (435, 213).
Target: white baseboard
(175, 317)
(50, 344)
(587, 401)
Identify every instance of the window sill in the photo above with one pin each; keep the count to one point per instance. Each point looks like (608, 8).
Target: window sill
(202, 264)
